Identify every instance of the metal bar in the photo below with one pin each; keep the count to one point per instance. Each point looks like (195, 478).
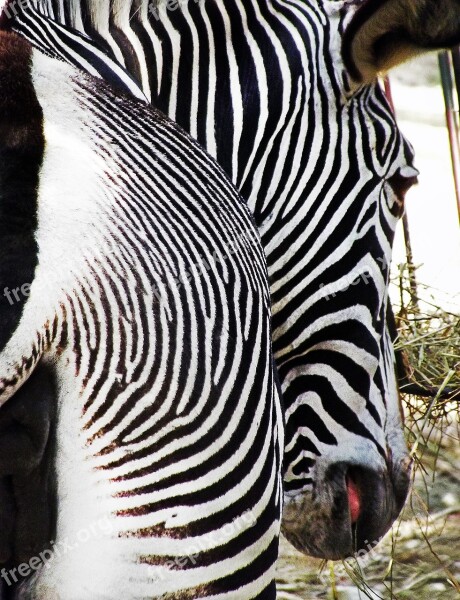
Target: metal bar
(455, 53)
(445, 67)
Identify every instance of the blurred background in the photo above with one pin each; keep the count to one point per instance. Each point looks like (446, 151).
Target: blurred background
(431, 205)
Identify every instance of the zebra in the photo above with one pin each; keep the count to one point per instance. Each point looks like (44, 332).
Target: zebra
(150, 307)
(283, 95)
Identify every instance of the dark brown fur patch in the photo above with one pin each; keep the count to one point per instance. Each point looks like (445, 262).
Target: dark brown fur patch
(385, 33)
(20, 113)
(27, 503)
(21, 153)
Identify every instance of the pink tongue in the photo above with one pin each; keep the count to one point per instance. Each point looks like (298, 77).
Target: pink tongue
(353, 500)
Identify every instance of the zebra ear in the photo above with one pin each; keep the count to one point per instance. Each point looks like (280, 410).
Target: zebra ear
(385, 33)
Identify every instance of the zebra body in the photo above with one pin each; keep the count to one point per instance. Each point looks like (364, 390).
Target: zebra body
(149, 303)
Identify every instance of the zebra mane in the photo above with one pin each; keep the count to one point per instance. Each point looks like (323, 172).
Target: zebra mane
(86, 55)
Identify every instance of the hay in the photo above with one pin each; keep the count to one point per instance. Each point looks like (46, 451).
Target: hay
(429, 347)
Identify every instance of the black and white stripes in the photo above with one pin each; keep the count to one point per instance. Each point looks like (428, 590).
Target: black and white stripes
(60, 42)
(150, 302)
(262, 86)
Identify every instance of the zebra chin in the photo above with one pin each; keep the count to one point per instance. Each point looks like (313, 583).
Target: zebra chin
(348, 511)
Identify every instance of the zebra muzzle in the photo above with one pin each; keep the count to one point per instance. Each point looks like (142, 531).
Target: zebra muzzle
(347, 513)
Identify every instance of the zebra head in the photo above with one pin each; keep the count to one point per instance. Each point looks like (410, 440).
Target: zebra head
(347, 469)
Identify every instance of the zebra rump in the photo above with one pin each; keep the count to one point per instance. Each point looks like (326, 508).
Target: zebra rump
(149, 304)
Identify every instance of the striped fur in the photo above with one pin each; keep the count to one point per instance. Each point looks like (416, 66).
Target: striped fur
(262, 85)
(150, 305)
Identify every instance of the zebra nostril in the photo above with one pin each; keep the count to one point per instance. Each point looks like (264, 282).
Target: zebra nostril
(375, 499)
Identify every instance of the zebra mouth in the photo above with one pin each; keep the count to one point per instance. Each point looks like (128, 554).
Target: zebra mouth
(373, 505)
(354, 498)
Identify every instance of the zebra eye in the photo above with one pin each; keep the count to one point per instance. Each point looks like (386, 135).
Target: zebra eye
(402, 180)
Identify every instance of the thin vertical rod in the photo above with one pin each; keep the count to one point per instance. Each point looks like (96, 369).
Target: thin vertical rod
(405, 219)
(445, 67)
